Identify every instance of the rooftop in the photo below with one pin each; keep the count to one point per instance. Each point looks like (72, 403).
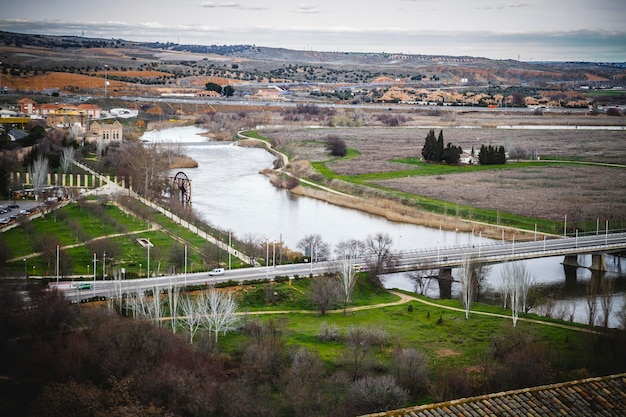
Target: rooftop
(601, 396)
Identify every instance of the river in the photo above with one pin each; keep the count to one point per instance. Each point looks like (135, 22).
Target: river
(230, 193)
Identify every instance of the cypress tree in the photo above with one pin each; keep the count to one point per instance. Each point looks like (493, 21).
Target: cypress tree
(439, 147)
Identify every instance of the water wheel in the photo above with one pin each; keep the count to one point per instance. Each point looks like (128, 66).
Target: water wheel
(181, 188)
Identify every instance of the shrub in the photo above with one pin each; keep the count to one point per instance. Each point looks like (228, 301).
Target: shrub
(336, 146)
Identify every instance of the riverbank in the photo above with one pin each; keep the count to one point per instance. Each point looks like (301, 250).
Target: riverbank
(397, 212)
(389, 209)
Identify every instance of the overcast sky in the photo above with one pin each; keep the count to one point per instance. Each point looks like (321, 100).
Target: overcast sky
(530, 30)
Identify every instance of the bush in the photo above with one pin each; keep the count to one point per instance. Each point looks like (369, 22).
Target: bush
(336, 146)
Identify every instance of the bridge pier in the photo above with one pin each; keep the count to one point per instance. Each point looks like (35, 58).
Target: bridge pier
(597, 262)
(571, 260)
(445, 283)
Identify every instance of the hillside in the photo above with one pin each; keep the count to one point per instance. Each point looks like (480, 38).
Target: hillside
(23, 54)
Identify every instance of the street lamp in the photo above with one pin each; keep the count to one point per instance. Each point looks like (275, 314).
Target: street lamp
(139, 269)
(25, 273)
(148, 266)
(104, 266)
(106, 79)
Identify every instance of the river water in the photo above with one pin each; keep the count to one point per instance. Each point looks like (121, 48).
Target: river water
(231, 194)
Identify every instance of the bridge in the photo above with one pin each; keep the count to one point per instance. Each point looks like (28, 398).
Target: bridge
(570, 247)
(440, 259)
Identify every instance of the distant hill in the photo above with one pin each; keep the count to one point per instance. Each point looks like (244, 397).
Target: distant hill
(29, 53)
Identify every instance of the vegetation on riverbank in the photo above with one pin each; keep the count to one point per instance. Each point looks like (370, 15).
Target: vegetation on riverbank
(285, 355)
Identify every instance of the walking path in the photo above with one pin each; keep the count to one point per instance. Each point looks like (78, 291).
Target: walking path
(405, 298)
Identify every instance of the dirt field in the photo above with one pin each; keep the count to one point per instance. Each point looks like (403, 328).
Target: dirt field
(581, 192)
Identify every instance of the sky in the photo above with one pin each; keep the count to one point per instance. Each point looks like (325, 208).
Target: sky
(528, 30)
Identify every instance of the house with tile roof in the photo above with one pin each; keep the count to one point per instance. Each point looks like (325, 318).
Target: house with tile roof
(108, 132)
(601, 396)
(27, 106)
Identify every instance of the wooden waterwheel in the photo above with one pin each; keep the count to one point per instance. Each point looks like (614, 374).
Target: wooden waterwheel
(181, 188)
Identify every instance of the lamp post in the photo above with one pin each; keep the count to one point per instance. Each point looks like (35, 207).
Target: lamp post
(104, 266)
(106, 79)
(139, 269)
(25, 273)
(148, 266)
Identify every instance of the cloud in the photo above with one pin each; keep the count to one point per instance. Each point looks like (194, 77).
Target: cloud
(230, 5)
(512, 5)
(214, 5)
(307, 8)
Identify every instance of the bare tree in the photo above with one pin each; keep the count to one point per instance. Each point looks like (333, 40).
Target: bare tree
(100, 147)
(147, 166)
(314, 245)
(422, 279)
(519, 281)
(324, 292)
(67, 158)
(592, 302)
(38, 173)
(410, 368)
(173, 295)
(358, 350)
(466, 276)
(378, 247)
(347, 275)
(606, 299)
(192, 315)
(221, 309)
(377, 393)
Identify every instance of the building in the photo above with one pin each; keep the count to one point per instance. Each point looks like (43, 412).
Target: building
(108, 132)
(601, 396)
(27, 106)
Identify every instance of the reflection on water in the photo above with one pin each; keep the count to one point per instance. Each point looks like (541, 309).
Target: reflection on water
(230, 193)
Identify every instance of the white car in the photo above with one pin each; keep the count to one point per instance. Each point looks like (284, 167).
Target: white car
(217, 271)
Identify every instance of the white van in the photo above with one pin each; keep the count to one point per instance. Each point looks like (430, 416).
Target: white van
(217, 271)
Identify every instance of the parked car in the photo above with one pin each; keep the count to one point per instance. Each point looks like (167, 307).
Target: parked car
(217, 271)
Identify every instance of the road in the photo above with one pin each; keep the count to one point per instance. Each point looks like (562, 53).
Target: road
(433, 258)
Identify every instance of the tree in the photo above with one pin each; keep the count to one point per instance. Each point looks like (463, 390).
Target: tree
(518, 100)
(220, 309)
(377, 393)
(67, 158)
(192, 312)
(519, 281)
(466, 277)
(228, 91)
(451, 154)
(439, 147)
(38, 173)
(347, 252)
(147, 168)
(410, 368)
(490, 155)
(324, 292)
(314, 247)
(429, 150)
(422, 279)
(378, 247)
(336, 146)
(211, 86)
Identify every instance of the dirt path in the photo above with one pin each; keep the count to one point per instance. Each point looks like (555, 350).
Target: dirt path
(405, 298)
